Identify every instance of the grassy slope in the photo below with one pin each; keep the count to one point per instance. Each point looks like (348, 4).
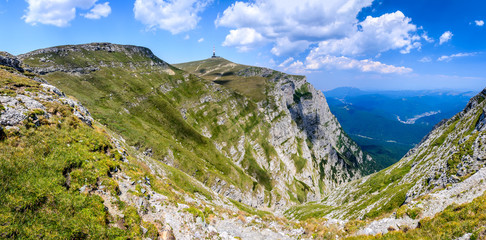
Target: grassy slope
(145, 104)
(223, 72)
(452, 223)
(43, 166)
(36, 199)
(130, 102)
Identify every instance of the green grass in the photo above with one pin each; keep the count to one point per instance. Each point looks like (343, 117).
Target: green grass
(129, 102)
(379, 186)
(453, 222)
(223, 72)
(302, 92)
(252, 167)
(307, 211)
(248, 209)
(183, 181)
(11, 84)
(440, 140)
(203, 214)
(42, 169)
(299, 190)
(464, 149)
(299, 161)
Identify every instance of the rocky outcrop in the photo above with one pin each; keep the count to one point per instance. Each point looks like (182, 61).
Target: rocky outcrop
(128, 50)
(17, 108)
(51, 69)
(7, 59)
(301, 121)
(46, 58)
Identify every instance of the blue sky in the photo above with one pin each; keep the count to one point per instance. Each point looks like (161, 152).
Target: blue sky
(369, 44)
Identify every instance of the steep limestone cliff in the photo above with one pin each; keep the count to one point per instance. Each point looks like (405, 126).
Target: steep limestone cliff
(446, 168)
(273, 144)
(306, 136)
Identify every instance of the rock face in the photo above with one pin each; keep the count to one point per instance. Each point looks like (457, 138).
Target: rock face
(6, 59)
(82, 52)
(313, 152)
(328, 150)
(16, 109)
(447, 166)
(279, 147)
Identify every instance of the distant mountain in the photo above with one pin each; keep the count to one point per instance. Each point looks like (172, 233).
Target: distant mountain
(388, 123)
(437, 189)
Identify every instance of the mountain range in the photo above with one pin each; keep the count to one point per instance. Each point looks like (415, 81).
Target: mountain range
(108, 141)
(388, 123)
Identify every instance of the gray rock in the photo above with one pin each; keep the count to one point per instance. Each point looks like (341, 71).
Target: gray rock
(129, 50)
(144, 230)
(12, 117)
(83, 188)
(466, 236)
(148, 152)
(53, 89)
(7, 59)
(79, 110)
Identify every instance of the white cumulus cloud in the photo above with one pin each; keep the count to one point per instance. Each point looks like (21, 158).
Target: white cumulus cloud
(175, 16)
(283, 46)
(296, 67)
(329, 28)
(55, 12)
(200, 40)
(445, 37)
(448, 58)
(99, 11)
(244, 39)
(427, 38)
(376, 35)
(479, 23)
(294, 21)
(366, 65)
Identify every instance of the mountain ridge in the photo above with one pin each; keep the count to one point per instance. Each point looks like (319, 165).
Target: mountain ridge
(388, 123)
(249, 151)
(169, 154)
